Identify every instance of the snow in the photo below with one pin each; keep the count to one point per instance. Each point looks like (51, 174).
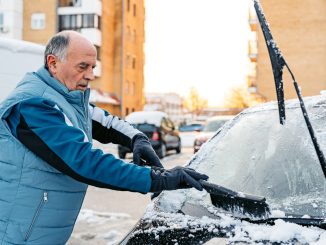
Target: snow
(243, 231)
(96, 96)
(91, 216)
(19, 46)
(277, 213)
(280, 232)
(169, 203)
(150, 117)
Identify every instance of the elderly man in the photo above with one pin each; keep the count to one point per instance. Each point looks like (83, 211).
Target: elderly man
(46, 155)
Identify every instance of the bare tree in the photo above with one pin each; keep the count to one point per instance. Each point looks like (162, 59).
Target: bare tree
(239, 97)
(194, 103)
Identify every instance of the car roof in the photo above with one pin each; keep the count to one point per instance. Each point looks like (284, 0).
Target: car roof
(150, 117)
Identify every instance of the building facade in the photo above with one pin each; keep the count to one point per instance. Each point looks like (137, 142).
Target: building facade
(299, 29)
(116, 28)
(124, 54)
(170, 103)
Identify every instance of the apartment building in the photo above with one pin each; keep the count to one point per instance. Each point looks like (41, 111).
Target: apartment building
(116, 28)
(299, 29)
(171, 103)
(123, 58)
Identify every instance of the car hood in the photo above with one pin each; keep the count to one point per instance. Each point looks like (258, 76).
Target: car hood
(168, 213)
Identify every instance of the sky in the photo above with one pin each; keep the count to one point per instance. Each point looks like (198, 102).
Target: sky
(196, 43)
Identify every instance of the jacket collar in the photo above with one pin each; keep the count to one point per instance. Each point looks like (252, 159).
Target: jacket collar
(75, 96)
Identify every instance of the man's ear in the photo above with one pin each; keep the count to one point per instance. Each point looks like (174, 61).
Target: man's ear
(52, 63)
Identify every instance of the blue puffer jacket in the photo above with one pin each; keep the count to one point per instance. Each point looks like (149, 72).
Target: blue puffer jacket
(47, 160)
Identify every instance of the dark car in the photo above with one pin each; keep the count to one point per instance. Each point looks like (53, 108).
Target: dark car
(276, 190)
(211, 126)
(159, 129)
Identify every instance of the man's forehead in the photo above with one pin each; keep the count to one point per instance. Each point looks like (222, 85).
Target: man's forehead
(82, 55)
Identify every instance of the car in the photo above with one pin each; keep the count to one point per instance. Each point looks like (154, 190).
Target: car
(211, 126)
(159, 129)
(189, 131)
(192, 127)
(268, 186)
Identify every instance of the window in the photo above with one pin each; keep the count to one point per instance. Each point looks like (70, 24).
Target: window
(127, 61)
(64, 22)
(127, 111)
(88, 20)
(73, 21)
(128, 5)
(133, 62)
(38, 21)
(134, 35)
(127, 87)
(76, 22)
(128, 32)
(98, 50)
(134, 8)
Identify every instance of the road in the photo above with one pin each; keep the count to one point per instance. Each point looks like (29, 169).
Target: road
(108, 215)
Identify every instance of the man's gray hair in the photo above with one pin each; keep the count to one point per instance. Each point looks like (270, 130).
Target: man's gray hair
(57, 46)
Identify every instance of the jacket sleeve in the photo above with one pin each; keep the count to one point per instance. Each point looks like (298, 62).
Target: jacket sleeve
(41, 126)
(107, 128)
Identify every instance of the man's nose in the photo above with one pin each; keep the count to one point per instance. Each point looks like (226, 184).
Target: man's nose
(89, 75)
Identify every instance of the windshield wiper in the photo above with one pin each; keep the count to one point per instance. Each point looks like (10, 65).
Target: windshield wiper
(317, 222)
(253, 208)
(278, 63)
(237, 202)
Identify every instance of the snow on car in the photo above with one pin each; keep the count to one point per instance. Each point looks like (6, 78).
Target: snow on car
(256, 155)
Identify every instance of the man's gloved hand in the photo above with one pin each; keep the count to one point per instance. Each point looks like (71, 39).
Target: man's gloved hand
(176, 178)
(142, 149)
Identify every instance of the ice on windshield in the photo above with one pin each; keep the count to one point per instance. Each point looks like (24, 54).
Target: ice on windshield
(257, 155)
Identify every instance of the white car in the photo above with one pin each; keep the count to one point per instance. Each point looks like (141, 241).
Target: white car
(211, 126)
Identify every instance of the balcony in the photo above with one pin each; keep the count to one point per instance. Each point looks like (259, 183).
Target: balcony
(252, 84)
(253, 22)
(252, 51)
(69, 3)
(72, 7)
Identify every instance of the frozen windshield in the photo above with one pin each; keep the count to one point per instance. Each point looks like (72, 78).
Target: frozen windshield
(257, 155)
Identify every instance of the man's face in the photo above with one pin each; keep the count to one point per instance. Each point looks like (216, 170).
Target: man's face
(76, 70)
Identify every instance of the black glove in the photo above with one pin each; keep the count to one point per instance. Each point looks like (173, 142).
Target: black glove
(176, 178)
(142, 149)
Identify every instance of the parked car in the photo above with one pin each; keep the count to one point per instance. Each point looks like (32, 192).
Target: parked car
(192, 127)
(254, 154)
(211, 126)
(158, 127)
(188, 133)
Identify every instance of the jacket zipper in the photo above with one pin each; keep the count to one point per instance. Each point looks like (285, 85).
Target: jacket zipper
(86, 115)
(42, 202)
